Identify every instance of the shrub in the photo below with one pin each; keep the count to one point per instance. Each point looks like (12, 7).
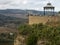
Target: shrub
(32, 40)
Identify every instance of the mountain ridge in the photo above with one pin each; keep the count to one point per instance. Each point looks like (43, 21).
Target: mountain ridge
(19, 13)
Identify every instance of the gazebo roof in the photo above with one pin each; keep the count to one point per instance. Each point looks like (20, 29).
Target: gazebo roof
(49, 6)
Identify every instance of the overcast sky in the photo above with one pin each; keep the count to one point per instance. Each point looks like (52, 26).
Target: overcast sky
(28, 4)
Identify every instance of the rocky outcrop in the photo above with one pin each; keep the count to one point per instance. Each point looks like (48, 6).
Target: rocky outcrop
(20, 40)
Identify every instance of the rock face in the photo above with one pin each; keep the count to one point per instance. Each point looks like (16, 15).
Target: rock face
(42, 42)
(20, 40)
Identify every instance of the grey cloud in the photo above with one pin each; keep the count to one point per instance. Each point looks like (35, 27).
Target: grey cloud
(31, 4)
(5, 2)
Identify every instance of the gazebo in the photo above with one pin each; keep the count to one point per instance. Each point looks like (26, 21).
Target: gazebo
(49, 8)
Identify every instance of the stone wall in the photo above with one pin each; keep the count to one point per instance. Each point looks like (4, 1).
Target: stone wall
(43, 19)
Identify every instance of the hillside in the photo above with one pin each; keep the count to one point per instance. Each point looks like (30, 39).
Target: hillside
(10, 21)
(39, 34)
(19, 13)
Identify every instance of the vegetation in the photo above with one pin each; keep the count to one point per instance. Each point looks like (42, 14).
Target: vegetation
(32, 40)
(59, 12)
(49, 34)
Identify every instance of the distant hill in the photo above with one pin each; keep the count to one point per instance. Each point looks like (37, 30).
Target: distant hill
(10, 21)
(22, 12)
(16, 16)
(10, 15)
(12, 11)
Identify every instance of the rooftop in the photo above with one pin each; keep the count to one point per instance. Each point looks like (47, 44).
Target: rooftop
(49, 5)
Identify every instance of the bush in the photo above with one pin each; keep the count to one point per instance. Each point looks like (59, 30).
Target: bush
(51, 34)
(32, 40)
